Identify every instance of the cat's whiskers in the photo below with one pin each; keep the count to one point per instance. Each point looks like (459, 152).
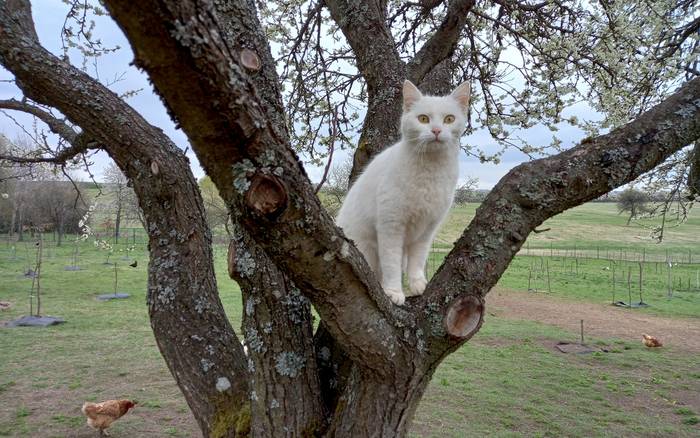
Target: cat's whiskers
(420, 145)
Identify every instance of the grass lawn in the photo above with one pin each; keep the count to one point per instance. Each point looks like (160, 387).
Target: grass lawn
(105, 350)
(508, 381)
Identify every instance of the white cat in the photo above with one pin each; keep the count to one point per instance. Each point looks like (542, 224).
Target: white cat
(395, 207)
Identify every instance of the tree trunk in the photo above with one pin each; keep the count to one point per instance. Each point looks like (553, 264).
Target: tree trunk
(188, 320)
(372, 406)
(117, 222)
(60, 232)
(20, 225)
(13, 216)
(277, 322)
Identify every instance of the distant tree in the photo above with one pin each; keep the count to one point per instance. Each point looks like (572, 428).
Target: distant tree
(336, 185)
(8, 184)
(55, 206)
(18, 198)
(634, 202)
(466, 192)
(118, 188)
(16, 186)
(672, 189)
(132, 209)
(215, 207)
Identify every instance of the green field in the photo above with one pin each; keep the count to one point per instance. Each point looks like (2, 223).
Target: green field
(508, 381)
(596, 226)
(586, 245)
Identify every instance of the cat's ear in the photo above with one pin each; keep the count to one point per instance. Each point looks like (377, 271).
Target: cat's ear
(411, 94)
(462, 94)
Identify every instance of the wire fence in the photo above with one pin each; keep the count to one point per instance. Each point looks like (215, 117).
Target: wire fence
(127, 236)
(626, 254)
(133, 241)
(637, 253)
(623, 279)
(623, 270)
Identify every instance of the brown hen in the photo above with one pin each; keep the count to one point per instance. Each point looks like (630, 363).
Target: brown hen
(101, 415)
(651, 341)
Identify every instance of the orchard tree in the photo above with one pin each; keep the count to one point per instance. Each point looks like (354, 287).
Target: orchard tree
(334, 186)
(465, 192)
(57, 205)
(634, 202)
(123, 200)
(217, 212)
(364, 370)
(117, 188)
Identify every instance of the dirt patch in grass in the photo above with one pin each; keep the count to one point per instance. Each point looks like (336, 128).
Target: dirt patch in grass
(497, 342)
(599, 320)
(688, 398)
(56, 412)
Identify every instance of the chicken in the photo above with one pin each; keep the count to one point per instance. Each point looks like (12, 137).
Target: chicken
(651, 341)
(101, 415)
(4, 305)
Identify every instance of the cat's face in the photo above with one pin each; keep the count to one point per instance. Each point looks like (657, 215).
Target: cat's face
(434, 122)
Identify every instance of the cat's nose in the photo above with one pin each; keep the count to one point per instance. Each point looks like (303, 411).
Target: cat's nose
(436, 131)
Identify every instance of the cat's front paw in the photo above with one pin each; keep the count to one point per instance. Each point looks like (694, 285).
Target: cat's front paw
(416, 286)
(396, 296)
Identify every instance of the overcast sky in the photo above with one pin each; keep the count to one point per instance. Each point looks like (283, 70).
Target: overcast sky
(49, 16)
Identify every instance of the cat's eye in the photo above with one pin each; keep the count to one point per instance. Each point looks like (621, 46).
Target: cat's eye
(449, 119)
(423, 118)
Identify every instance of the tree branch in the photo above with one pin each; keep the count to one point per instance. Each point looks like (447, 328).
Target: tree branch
(442, 42)
(56, 126)
(278, 315)
(188, 320)
(537, 190)
(61, 157)
(255, 169)
(694, 172)
(365, 28)
(378, 60)
(79, 142)
(366, 31)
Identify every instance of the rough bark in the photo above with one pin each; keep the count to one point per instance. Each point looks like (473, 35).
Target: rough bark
(442, 42)
(694, 172)
(188, 321)
(277, 322)
(280, 315)
(247, 160)
(382, 69)
(265, 175)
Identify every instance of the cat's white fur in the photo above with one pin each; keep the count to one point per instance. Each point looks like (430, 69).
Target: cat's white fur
(395, 207)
